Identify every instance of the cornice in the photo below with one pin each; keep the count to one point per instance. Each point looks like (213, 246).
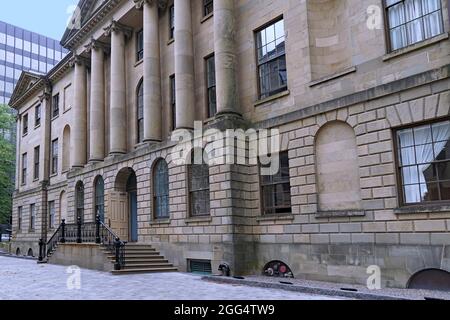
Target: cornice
(162, 4)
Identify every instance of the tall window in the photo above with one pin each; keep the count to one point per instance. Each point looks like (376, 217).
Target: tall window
(51, 214)
(424, 163)
(24, 168)
(55, 106)
(19, 218)
(100, 198)
(140, 45)
(211, 85)
(208, 7)
(271, 52)
(161, 190)
(140, 112)
(173, 102)
(36, 162)
(171, 22)
(32, 217)
(412, 21)
(79, 200)
(37, 115)
(198, 182)
(25, 125)
(55, 156)
(276, 189)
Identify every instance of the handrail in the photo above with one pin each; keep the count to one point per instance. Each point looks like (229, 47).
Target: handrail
(93, 232)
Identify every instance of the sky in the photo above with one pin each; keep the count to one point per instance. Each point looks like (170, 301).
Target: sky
(46, 17)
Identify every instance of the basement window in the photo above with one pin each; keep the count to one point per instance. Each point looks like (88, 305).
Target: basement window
(200, 266)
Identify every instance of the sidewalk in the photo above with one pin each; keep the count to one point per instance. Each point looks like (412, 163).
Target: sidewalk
(332, 289)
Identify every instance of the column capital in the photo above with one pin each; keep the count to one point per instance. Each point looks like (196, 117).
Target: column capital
(162, 4)
(47, 93)
(78, 60)
(97, 45)
(118, 27)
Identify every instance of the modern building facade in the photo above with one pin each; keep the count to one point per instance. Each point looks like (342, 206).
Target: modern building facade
(358, 90)
(22, 50)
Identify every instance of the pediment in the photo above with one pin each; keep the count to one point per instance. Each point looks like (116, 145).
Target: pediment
(26, 81)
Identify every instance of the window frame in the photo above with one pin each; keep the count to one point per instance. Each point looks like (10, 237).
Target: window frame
(24, 168)
(25, 124)
(79, 201)
(263, 185)
(32, 217)
(173, 101)
(387, 27)
(54, 156)
(19, 218)
(99, 198)
(398, 168)
(36, 167)
(37, 115)
(171, 12)
(139, 43)
(190, 190)
(155, 194)
(267, 95)
(55, 106)
(51, 215)
(210, 87)
(139, 106)
(206, 4)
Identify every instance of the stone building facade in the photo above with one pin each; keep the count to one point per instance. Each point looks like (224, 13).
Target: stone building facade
(358, 90)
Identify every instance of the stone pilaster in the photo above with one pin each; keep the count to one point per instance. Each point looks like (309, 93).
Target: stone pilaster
(45, 143)
(79, 136)
(97, 105)
(184, 65)
(225, 56)
(118, 114)
(18, 143)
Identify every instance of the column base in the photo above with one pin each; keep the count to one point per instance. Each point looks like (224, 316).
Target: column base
(94, 161)
(228, 120)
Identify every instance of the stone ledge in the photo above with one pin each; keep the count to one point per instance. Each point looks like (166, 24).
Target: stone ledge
(206, 219)
(284, 217)
(333, 76)
(160, 222)
(338, 214)
(272, 98)
(207, 17)
(423, 209)
(415, 47)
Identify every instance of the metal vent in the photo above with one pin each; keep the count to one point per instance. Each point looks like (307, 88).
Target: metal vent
(200, 266)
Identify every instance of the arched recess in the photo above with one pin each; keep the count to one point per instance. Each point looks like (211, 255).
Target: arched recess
(63, 206)
(430, 279)
(338, 180)
(66, 149)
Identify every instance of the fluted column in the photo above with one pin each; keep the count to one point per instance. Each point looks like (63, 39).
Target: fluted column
(184, 65)
(97, 105)
(79, 136)
(118, 114)
(225, 56)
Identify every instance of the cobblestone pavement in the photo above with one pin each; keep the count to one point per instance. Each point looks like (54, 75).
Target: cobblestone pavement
(23, 279)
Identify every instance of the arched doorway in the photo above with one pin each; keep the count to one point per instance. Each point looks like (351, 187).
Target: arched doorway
(123, 218)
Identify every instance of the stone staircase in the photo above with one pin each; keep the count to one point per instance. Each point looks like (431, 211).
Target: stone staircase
(141, 259)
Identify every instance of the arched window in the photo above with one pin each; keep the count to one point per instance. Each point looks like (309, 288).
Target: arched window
(140, 112)
(79, 200)
(198, 184)
(100, 198)
(161, 190)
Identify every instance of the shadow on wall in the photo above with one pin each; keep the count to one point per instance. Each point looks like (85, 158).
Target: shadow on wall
(430, 279)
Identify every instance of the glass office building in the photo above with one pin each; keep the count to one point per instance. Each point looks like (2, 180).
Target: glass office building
(22, 50)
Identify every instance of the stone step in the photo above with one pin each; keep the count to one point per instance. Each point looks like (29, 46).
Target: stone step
(144, 270)
(147, 265)
(139, 256)
(144, 261)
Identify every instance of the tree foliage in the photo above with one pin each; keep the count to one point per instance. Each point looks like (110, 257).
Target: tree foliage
(7, 162)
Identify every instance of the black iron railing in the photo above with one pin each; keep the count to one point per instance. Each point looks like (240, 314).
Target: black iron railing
(90, 232)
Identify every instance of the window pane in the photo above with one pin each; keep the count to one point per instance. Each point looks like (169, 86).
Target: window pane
(445, 190)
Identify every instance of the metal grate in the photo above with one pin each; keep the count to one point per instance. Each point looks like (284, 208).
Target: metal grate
(200, 266)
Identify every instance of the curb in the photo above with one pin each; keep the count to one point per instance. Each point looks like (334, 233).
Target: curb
(302, 289)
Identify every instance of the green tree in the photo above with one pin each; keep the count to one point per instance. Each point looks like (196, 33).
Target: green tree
(7, 162)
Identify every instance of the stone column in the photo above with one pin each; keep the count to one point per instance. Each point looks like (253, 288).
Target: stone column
(97, 106)
(118, 113)
(79, 136)
(225, 56)
(184, 65)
